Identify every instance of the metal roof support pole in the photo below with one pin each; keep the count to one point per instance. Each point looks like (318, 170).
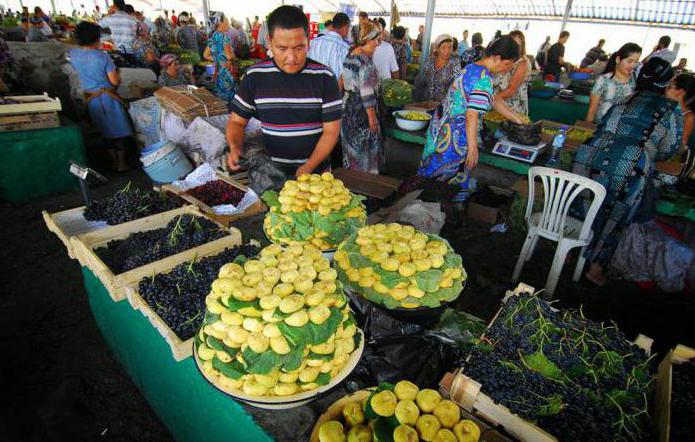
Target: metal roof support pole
(568, 8)
(429, 18)
(206, 13)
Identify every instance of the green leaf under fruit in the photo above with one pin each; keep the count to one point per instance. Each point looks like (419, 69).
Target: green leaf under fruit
(538, 362)
(271, 198)
(429, 280)
(235, 304)
(293, 360)
(261, 363)
(323, 379)
(232, 369)
(310, 333)
(328, 357)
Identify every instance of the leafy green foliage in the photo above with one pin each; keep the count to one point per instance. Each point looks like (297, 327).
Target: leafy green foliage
(232, 369)
(540, 363)
(328, 357)
(262, 363)
(310, 333)
(234, 304)
(429, 280)
(323, 379)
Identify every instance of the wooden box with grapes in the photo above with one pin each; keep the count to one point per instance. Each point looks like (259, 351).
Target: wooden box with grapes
(663, 390)
(90, 246)
(178, 336)
(546, 375)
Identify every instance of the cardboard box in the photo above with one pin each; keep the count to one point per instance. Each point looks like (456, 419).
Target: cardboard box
(491, 205)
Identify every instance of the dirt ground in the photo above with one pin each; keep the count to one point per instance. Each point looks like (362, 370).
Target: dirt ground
(60, 381)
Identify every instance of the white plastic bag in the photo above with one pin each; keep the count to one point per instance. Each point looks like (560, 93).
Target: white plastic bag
(426, 217)
(205, 173)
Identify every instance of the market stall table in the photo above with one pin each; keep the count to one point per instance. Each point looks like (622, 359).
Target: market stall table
(36, 162)
(562, 111)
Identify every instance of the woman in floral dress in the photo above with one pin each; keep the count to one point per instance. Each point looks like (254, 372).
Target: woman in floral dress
(451, 149)
(220, 51)
(362, 141)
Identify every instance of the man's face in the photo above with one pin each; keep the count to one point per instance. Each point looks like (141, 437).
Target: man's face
(290, 47)
(421, 28)
(465, 35)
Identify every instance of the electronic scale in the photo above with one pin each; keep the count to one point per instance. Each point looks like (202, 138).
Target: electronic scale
(519, 152)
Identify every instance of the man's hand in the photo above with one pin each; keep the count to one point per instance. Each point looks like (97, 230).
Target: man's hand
(472, 157)
(304, 169)
(233, 160)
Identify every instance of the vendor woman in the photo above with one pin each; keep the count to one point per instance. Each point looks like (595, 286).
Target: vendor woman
(99, 78)
(173, 74)
(451, 149)
(616, 83)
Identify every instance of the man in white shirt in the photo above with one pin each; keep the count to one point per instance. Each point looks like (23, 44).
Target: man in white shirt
(123, 27)
(330, 49)
(385, 60)
(662, 51)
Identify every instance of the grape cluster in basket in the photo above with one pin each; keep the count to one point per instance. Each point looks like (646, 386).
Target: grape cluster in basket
(216, 193)
(276, 326)
(128, 204)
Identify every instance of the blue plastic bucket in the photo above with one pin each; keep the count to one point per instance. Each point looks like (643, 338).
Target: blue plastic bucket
(169, 167)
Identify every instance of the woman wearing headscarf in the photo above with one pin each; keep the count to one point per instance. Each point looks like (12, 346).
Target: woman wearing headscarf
(512, 86)
(359, 128)
(440, 71)
(637, 131)
(172, 73)
(219, 51)
(451, 148)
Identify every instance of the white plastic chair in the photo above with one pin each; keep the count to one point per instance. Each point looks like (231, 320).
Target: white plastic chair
(560, 189)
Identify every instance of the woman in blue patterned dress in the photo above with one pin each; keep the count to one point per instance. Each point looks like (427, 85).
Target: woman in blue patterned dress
(359, 128)
(451, 149)
(635, 133)
(220, 51)
(99, 78)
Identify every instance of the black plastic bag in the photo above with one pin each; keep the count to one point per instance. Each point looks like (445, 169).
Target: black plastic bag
(263, 173)
(396, 350)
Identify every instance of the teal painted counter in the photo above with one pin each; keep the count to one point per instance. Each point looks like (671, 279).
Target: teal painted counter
(189, 406)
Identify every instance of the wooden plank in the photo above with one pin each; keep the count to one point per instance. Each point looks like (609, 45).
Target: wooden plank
(84, 246)
(52, 223)
(375, 186)
(664, 386)
(180, 349)
(41, 103)
(10, 123)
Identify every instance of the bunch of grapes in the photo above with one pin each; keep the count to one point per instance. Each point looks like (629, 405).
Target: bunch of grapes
(184, 232)
(577, 379)
(178, 297)
(683, 402)
(127, 205)
(216, 193)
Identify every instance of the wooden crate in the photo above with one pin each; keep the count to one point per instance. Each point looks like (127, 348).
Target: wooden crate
(84, 245)
(180, 349)
(40, 120)
(368, 184)
(465, 391)
(71, 222)
(28, 104)
(225, 220)
(662, 392)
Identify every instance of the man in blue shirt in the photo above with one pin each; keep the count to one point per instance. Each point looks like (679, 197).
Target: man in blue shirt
(463, 44)
(331, 48)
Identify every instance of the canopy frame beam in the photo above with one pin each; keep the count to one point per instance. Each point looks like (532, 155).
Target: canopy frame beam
(427, 37)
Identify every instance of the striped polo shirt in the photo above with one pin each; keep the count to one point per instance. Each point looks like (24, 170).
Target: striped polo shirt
(291, 107)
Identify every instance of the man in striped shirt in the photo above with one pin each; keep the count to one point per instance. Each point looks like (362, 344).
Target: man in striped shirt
(123, 27)
(331, 48)
(295, 98)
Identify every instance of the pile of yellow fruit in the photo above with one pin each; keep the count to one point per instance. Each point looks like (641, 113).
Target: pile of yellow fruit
(276, 326)
(398, 266)
(402, 413)
(414, 116)
(316, 209)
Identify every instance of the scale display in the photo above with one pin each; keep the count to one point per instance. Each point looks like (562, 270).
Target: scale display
(519, 152)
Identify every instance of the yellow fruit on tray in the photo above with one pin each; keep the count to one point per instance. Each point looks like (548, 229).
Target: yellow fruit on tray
(247, 342)
(384, 403)
(407, 412)
(427, 427)
(331, 431)
(427, 400)
(405, 433)
(467, 431)
(399, 267)
(448, 413)
(353, 414)
(323, 195)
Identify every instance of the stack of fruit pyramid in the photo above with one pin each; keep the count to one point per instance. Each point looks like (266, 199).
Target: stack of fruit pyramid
(276, 326)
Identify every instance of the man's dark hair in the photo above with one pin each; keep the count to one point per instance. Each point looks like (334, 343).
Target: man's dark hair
(477, 39)
(87, 33)
(340, 19)
(183, 14)
(564, 34)
(119, 4)
(129, 9)
(328, 23)
(287, 17)
(363, 15)
(454, 44)
(382, 22)
(602, 41)
(398, 33)
(665, 41)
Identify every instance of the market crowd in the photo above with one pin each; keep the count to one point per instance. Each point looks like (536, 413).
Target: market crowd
(320, 102)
